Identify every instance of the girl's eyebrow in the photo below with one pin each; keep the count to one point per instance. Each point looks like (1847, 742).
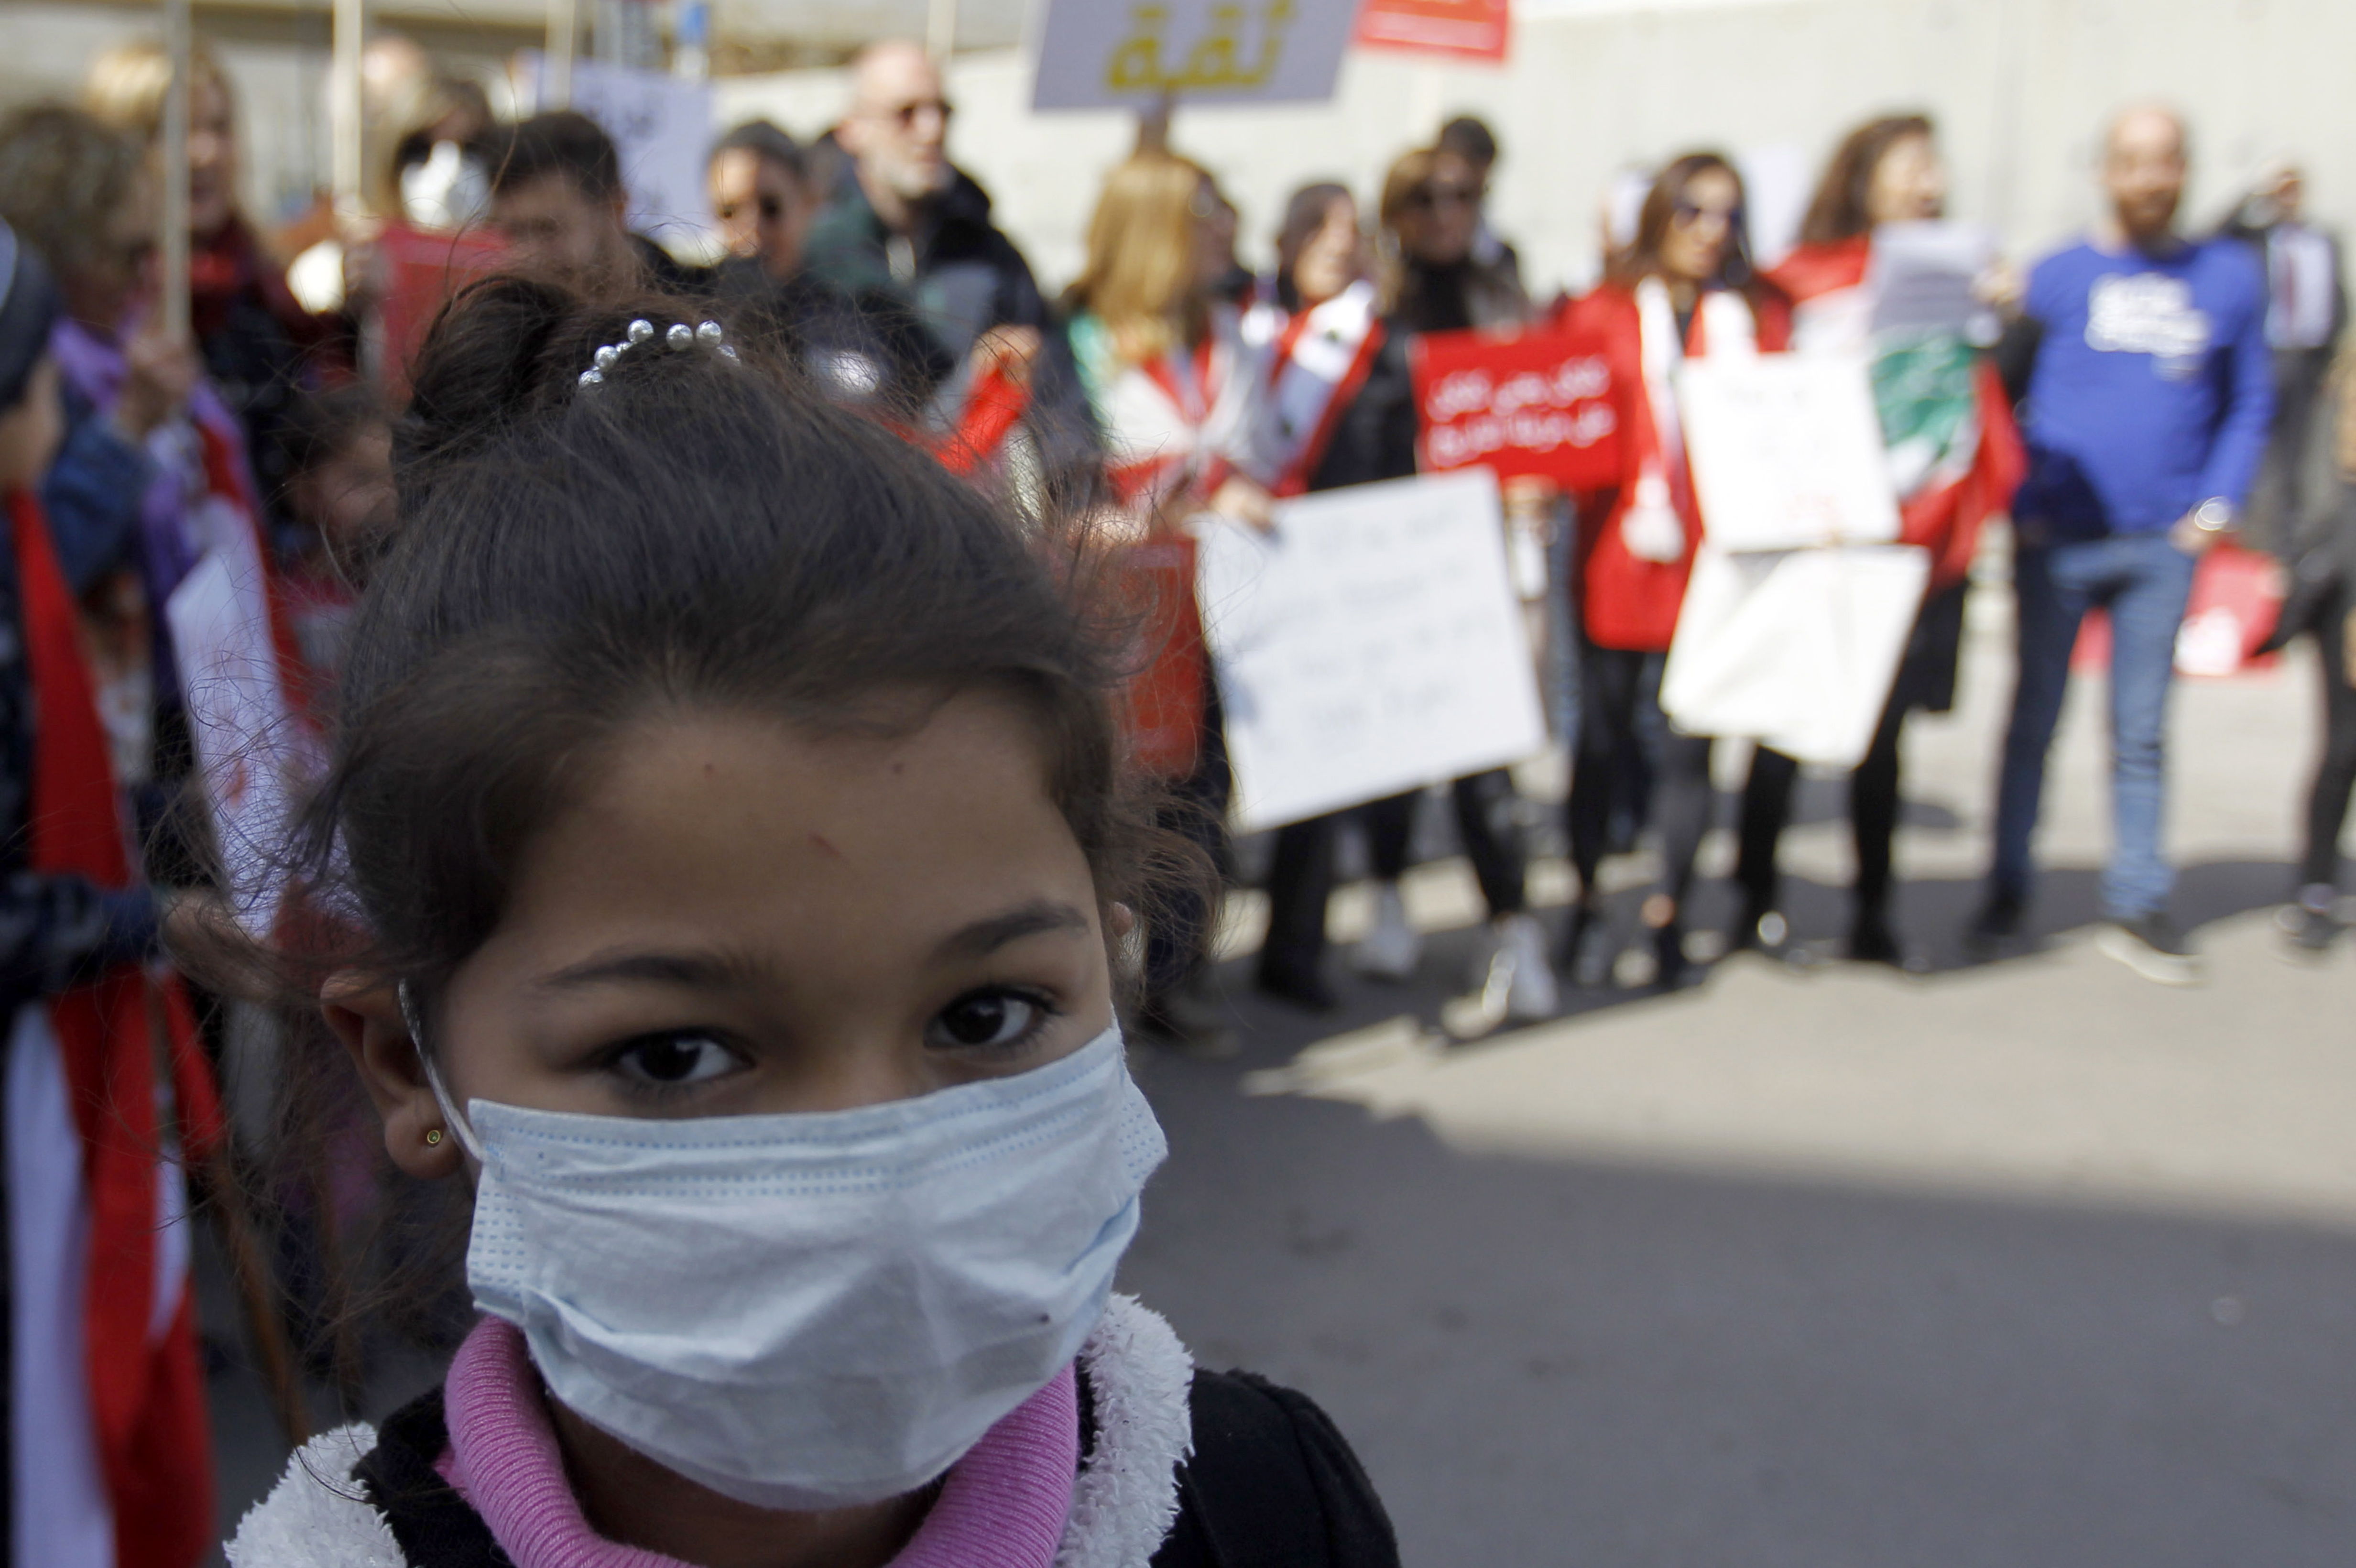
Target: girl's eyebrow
(704, 970)
(986, 937)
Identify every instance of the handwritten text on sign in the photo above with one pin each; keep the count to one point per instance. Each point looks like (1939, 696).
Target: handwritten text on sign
(1538, 405)
(1369, 645)
(1103, 54)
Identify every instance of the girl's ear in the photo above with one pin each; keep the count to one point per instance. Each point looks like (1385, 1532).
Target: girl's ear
(364, 1011)
(1121, 921)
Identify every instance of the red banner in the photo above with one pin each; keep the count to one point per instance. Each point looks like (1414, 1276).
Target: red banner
(422, 272)
(1540, 404)
(1164, 717)
(1466, 29)
(2236, 594)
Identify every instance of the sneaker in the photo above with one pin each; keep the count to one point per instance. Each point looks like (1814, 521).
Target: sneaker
(1393, 948)
(2311, 925)
(1997, 924)
(1871, 939)
(2149, 945)
(1586, 948)
(1531, 993)
(1486, 1007)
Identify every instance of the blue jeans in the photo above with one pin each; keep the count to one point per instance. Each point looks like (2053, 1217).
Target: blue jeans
(2143, 581)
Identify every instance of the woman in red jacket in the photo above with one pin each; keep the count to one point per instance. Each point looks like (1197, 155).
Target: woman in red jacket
(1683, 286)
(1956, 458)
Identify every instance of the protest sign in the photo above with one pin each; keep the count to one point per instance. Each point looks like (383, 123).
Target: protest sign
(2237, 596)
(1098, 55)
(1786, 449)
(1540, 404)
(1164, 702)
(249, 753)
(1923, 277)
(1462, 29)
(661, 127)
(1796, 649)
(422, 271)
(1370, 645)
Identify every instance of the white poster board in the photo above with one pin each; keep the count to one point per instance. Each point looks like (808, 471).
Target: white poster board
(1133, 54)
(661, 127)
(249, 753)
(1786, 451)
(1797, 649)
(1371, 645)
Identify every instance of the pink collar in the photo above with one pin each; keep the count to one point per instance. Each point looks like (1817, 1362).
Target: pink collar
(1001, 1506)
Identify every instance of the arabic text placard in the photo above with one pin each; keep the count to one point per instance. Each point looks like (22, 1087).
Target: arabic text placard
(1538, 405)
(1134, 54)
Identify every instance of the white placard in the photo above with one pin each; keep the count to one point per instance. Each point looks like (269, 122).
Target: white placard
(1786, 451)
(1133, 54)
(1797, 649)
(661, 127)
(1371, 645)
(249, 752)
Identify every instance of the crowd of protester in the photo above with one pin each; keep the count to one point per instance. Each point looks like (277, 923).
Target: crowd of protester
(2153, 389)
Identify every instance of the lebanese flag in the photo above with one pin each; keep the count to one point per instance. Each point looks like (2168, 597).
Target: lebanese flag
(1946, 514)
(122, 1448)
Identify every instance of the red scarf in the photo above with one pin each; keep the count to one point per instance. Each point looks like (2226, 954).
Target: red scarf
(147, 1394)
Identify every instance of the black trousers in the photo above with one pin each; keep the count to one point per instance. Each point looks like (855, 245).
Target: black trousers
(1620, 699)
(1178, 942)
(1872, 816)
(1301, 873)
(2335, 774)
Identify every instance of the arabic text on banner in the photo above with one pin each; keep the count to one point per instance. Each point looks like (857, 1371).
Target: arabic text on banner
(1095, 55)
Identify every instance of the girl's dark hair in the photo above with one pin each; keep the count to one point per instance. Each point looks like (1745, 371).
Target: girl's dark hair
(695, 530)
(1837, 210)
(1641, 257)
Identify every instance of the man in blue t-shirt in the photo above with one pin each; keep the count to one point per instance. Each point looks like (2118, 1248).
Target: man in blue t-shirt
(2147, 409)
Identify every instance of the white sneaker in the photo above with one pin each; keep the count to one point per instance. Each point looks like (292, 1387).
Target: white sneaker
(1393, 948)
(1532, 994)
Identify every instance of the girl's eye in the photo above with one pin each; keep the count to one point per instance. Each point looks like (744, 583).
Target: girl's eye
(986, 1020)
(674, 1061)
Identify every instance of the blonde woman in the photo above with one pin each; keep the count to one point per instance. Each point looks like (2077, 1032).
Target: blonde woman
(1177, 393)
(259, 344)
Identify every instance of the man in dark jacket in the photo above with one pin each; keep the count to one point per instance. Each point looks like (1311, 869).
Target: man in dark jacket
(902, 220)
(866, 350)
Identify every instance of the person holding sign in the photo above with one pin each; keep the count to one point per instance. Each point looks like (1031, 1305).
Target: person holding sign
(1431, 282)
(2150, 398)
(1956, 457)
(1177, 392)
(1684, 286)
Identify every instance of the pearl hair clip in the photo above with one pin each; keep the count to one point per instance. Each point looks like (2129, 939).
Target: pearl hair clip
(681, 336)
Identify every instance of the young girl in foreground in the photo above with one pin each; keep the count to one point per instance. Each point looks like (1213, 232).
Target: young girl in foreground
(731, 798)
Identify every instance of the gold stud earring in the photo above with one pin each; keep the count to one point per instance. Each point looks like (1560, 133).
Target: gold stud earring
(432, 1137)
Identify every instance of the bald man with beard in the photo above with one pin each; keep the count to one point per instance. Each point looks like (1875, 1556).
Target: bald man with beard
(2150, 392)
(902, 219)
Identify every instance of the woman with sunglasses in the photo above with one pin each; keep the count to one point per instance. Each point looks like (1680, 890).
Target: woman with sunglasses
(1430, 282)
(1175, 389)
(1682, 287)
(1956, 457)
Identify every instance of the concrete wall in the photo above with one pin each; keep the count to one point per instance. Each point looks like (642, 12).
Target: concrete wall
(2019, 86)
(1595, 86)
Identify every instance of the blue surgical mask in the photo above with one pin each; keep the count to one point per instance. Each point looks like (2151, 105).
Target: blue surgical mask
(812, 1310)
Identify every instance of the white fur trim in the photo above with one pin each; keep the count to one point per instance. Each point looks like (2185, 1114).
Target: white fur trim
(1126, 1500)
(1123, 1502)
(315, 1516)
